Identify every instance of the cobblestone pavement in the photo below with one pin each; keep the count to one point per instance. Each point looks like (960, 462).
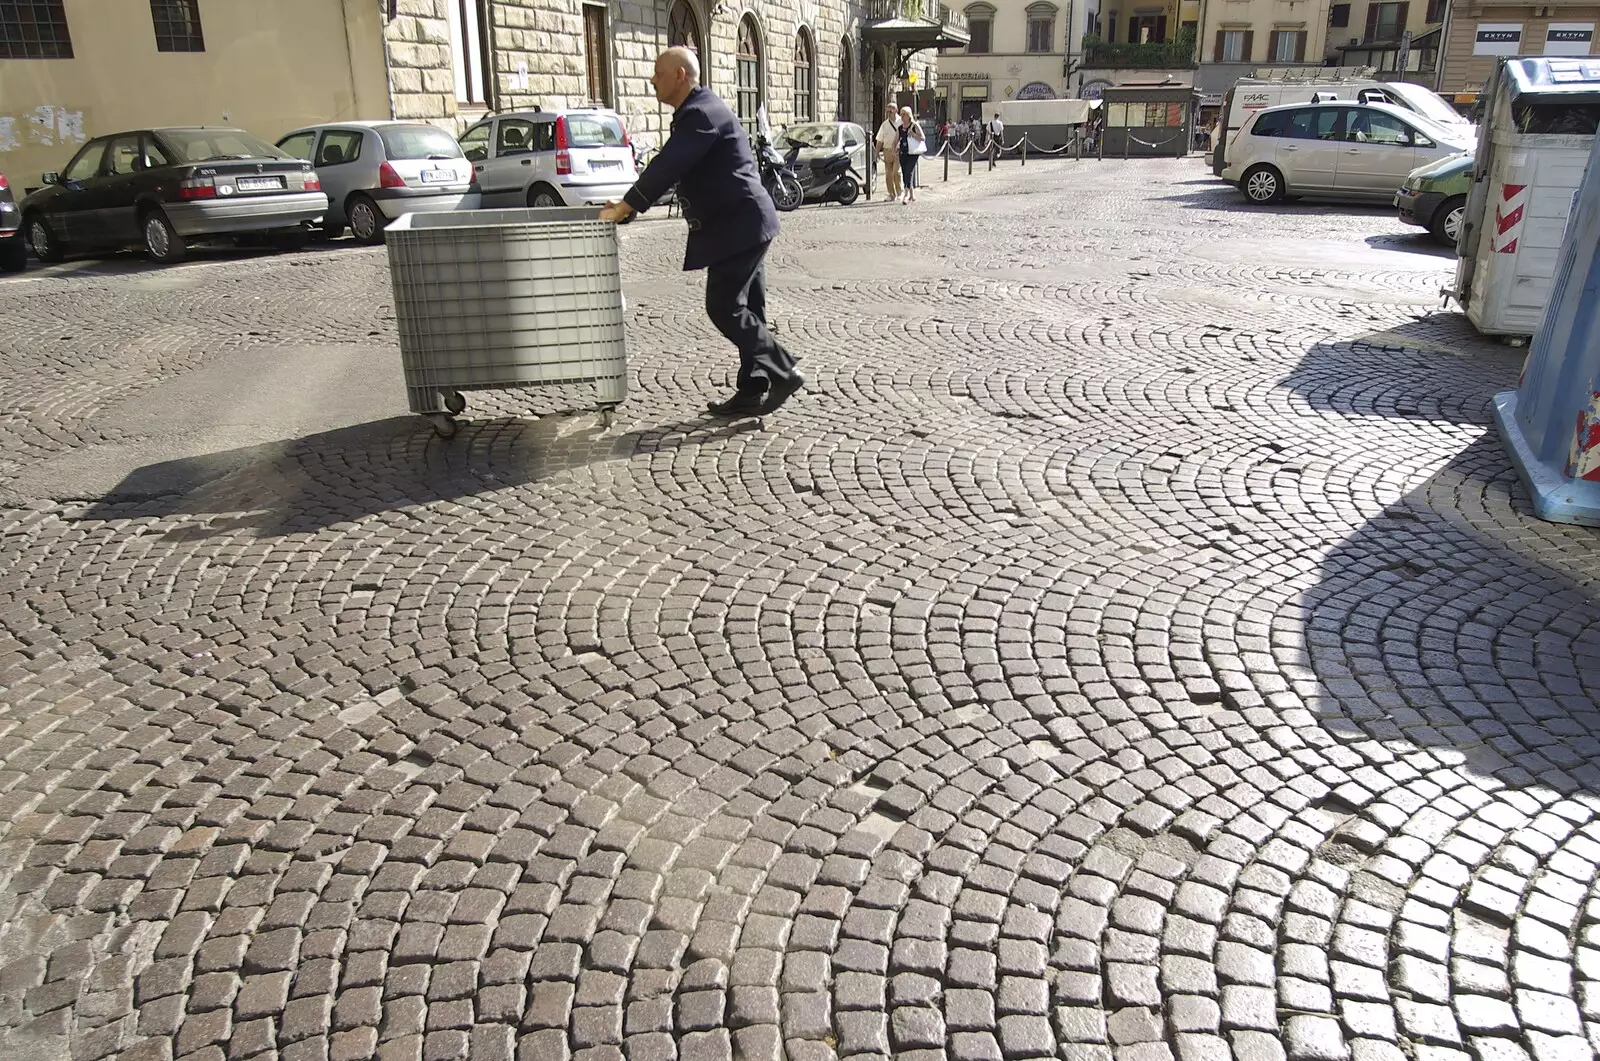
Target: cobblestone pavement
(1134, 645)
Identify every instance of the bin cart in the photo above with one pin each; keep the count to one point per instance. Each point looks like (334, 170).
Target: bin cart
(506, 298)
(1550, 423)
(1539, 122)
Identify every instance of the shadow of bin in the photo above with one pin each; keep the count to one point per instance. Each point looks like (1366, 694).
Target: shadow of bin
(1551, 422)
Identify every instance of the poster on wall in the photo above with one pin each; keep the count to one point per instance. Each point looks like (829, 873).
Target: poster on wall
(1498, 38)
(1036, 90)
(1569, 38)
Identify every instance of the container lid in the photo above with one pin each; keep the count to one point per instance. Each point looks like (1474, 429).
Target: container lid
(1553, 77)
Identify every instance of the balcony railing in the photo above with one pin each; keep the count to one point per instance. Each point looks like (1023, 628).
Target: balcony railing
(1168, 55)
(916, 11)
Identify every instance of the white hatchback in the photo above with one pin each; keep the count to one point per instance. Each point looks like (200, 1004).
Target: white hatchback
(1337, 150)
(577, 157)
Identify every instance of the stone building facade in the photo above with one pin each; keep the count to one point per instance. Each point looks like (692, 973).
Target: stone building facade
(451, 61)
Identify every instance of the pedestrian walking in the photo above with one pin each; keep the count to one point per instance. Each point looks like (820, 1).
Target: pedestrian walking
(888, 141)
(913, 145)
(731, 224)
(997, 131)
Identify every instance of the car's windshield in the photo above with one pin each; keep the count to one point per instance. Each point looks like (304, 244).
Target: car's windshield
(216, 145)
(594, 130)
(418, 141)
(813, 135)
(1427, 103)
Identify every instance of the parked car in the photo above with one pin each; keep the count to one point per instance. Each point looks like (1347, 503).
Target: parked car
(1434, 197)
(550, 158)
(13, 251)
(816, 141)
(164, 188)
(1336, 150)
(375, 171)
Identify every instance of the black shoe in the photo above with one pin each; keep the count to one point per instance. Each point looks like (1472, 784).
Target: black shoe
(782, 391)
(743, 403)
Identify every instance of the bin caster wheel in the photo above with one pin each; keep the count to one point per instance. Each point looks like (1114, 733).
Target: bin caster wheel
(444, 426)
(608, 416)
(456, 402)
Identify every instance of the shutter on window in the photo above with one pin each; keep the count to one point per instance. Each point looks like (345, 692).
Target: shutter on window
(1133, 30)
(1161, 29)
(1402, 19)
(1249, 48)
(1216, 52)
(1300, 46)
(1272, 45)
(1372, 22)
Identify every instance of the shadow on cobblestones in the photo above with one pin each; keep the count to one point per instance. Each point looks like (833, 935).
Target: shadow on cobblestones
(307, 484)
(1456, 620)
(1398, 372)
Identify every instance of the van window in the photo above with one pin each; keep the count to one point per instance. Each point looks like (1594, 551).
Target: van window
(1375, 127)
(1315, 123)
(1274, 124)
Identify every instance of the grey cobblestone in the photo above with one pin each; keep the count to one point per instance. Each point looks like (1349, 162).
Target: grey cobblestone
(1133, 645)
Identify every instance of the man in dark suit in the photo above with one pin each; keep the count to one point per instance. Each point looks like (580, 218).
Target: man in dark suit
(731, 224)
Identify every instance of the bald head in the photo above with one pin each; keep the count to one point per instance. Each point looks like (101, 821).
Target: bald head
(677, 73)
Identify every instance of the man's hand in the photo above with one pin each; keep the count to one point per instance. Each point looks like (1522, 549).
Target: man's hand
(618, 212)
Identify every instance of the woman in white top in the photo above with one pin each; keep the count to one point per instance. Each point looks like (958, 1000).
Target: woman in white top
(913, 143)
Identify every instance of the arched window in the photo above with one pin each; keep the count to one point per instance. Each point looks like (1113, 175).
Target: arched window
(752, 79)
(847, 80)
(683, 27)
(805, 104)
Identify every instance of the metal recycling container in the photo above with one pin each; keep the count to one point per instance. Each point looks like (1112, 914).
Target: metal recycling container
(1551, 422)
(1538, 125)
(506, 298)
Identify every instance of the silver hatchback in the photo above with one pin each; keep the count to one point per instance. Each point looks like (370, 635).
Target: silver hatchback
(375, 171)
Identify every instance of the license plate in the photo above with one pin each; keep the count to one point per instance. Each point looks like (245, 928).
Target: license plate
(438, 176)
(259, 184)
(604, 164)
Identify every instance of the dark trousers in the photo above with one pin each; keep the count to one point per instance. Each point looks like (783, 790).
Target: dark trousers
(736, 302)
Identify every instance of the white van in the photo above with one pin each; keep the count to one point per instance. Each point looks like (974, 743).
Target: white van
(1250, 96)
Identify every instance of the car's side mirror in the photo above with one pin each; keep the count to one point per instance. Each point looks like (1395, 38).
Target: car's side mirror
(52, 177)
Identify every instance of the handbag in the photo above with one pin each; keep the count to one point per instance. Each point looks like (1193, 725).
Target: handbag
(916, 145)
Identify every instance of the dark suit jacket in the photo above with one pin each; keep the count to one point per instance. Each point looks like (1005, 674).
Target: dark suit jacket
(708, 157)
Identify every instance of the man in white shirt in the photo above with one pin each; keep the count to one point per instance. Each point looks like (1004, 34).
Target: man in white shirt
(888, 141)
(997, 129)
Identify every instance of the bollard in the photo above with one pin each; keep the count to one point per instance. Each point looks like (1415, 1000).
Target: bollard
(970, 153)
(1024, 152)
(1079, 145)
(1127, 142)
(947, 162)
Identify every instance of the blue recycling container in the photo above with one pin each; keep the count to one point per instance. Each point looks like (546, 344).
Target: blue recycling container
(1551, 422)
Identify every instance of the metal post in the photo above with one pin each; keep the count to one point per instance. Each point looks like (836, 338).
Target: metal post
(872, 158)
(947, 160)
(970, 153)
(1127, 142)
(1024, 152)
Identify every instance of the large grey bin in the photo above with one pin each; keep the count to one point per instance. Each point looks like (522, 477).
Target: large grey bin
(506, 298)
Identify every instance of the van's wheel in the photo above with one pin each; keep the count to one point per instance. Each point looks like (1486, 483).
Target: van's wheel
(43, 241)
(542, 196)
(366, 220)
(1262, 185)
(161, 240)
(1446, 223)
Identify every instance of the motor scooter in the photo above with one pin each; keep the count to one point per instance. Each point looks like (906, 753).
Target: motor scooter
(778, 175)
(829, 179)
